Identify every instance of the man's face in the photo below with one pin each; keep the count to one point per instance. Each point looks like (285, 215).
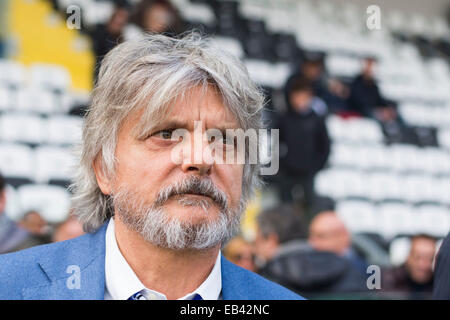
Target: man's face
(420, 259)
(144, 167)
(369, 68)
(158, 19)
(301, 100)
(34, 223)
(265, 246)
(328, 233)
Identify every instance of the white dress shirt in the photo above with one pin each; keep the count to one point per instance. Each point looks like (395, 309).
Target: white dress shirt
(121, 281)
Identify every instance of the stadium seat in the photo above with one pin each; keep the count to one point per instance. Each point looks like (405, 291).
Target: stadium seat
(399, 250)
(17, 161)
(396, 219)
(444, 138)
(35, 99)
(12, 73)
(267, 74)
(97, 12)
(198, 13)
(53, 163)
(230, 45)
(433, 220)
(50, 76)
(65, 130)
(5, 98)
(26, 128)
(13, 207)
(358, 216)
(383, 186)
(52, 202)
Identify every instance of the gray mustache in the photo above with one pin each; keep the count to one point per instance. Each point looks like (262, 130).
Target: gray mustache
(193, 185)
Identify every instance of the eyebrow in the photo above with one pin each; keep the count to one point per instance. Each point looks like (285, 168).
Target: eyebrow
(174, 124)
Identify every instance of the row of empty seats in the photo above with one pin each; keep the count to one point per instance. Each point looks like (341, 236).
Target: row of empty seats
(51, 201)
(33, 129)
(34, 100)
(41, 75)
(381, 186)
(396, 158)
(42, 164)
(394, 219)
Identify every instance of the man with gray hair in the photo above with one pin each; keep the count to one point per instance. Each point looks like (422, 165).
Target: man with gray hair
(157, 205)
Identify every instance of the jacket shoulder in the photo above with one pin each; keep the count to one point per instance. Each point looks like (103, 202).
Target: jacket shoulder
(246, 285)
(23, 269)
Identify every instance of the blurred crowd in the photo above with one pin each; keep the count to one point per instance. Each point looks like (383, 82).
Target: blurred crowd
(322, 260)
(31, 228)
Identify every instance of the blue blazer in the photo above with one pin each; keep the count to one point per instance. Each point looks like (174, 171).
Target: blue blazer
(45, 272)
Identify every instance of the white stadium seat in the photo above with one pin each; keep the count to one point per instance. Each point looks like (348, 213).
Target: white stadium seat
(444, 138)
(13, 207)
(433, 220)
(12, 73)
(399, 250)
(5, 98)
(63, 129)
(52, 202)
(358, 216)
(16, 161)
(34, 99)
(50, 76)
(16, 127)
(53, 163)
(228, 44)
(396, 219)
(198, 13)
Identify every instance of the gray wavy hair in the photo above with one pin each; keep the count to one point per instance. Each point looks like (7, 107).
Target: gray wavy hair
(149, 74)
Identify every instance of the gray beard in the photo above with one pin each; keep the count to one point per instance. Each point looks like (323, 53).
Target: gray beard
(161, 229)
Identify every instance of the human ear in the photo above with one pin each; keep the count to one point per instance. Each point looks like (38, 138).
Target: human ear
(103, 180)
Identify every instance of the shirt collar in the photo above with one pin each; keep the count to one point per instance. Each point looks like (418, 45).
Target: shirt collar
(122, 282)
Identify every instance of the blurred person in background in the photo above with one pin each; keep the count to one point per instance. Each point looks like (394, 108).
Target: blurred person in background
(333, 94)
(328, 233)
(68, 229)
(240, 252)
(286, 257)
(304, 136)
(158, 16)
(366, 99)
(11, 234)
(414, 278)
(105, 37)
(37, 230)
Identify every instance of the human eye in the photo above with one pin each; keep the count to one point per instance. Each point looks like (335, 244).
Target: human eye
(165, 134)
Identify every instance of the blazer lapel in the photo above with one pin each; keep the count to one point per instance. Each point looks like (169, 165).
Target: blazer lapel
(74, 269)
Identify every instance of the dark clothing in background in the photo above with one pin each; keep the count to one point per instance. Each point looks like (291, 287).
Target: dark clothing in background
(307, 146)
(14, 238)
(396, 283)
(320, 88)
(307, 141)
(103, 41)
(365, 96)
(441, 288)
(314, 274)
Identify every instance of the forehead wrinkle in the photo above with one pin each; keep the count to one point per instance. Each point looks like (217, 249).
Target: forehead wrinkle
(151, 120)
(206, 110)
